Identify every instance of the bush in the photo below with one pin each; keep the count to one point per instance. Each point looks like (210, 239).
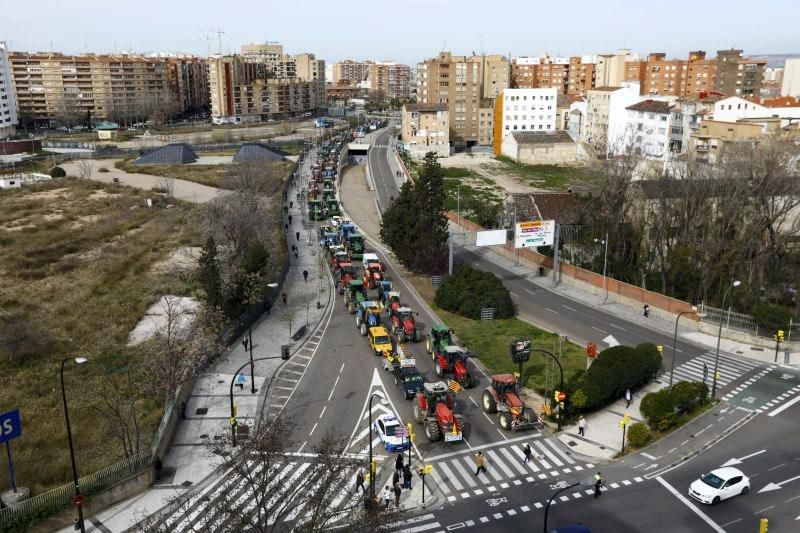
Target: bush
(469, 290)
(658, 408)
(772, 317)
(661, 409)
(57, 172)
(639, 435)
(102, 169)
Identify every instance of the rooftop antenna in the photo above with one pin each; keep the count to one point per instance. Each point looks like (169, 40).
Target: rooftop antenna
(220, 33)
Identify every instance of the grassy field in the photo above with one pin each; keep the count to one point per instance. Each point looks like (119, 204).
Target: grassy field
(551, 177)
(490, 340)
(75, 260)
(219, 176)
(468, 186)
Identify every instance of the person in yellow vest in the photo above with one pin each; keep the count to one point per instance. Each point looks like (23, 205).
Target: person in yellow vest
(480, 462)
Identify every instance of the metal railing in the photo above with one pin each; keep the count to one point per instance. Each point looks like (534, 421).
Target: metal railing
(746, 323)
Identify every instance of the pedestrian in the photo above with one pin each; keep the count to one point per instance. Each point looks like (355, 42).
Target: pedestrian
(290, 219)
(395, 478)
(407, 476)
(305, 275)
(480, 463)
(286, 228)
(397, 492)
(159, 466)
(360, 482)
(183, 410)
(296, 234)
(646, 310)
(387, 496)
(628, 398)
(291, 204)
(582, 426)
(245, 343)
(527, 452)
(598, 483)
(295, 253)
(283, 297)
(240, 381)
(398, 464)
(705, 372)
(285, 209)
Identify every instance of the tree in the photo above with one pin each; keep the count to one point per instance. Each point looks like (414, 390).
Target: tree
(85, 167)
(114, 399)
(208, 273)
(415, 226)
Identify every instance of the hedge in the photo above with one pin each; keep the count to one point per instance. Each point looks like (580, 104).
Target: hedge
(469, 290)
(661, 409)
(614, 371)
(639, 435)
(772, 317)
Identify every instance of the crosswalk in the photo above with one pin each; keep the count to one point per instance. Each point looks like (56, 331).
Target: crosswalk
(455, 475)
(730, 369)
(288, 492)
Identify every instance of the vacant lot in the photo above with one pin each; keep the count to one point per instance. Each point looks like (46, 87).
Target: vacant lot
(76, 261)
(225, 176)
(547, 177)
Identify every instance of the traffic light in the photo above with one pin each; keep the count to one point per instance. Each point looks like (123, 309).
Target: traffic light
(660, 348)
(779, 336)
(764, 524)
(556, 394)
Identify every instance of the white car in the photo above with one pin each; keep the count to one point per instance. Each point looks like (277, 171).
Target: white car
(385, 427)
(719, 484)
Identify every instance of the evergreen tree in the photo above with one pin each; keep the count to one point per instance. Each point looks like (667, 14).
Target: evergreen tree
(208, 273)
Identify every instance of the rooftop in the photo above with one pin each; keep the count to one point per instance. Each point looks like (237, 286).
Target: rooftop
(430, 108)
(652, 106)
(535, 137)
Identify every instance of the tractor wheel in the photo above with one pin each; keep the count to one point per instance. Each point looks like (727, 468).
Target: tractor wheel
(432, 431)
(488, 403)
(416, 336)
(468, 383)
(505, 420)
(363, 329)
(351, 307)
(358, 321)
(438, 370)
(401, 335)
(419, 412)
(460, 424)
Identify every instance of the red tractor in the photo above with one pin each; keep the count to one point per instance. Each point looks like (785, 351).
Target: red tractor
(373, 275)
(347, 273)
(404, 325)
(433, 407)
(452, 362)
(501, 396)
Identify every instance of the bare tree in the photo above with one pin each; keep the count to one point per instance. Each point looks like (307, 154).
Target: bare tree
(85, 168)
(21, 333)
(167, 185)
(114, 399)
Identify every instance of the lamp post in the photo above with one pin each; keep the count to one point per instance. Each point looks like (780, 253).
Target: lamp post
(561, 387)
(585, 482)
(719, 338)
(233, 379)
(78, 499)
(371, 470)
(675, 341)
(605, 262)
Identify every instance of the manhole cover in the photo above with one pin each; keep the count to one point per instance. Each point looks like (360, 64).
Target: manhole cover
(572, 443)
(204, 436)
(186, 483)
(201, 411)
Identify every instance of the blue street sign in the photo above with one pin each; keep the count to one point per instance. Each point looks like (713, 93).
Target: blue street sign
(10, 426)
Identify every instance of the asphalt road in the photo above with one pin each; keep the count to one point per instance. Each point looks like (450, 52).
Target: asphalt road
(382, 175)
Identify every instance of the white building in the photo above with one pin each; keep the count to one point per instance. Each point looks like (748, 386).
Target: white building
(8, 102)
(735, 108)
(576, 119)
(607, 116)
(791, 78)
(528, 110)
(647, 131)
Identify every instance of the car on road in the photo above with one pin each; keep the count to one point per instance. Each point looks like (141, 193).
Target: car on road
(385, 427)
(379, 340)
(719, 484)
(408, 378)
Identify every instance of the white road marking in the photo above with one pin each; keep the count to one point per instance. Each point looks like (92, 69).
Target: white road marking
(514, 294)
(600, 330)
(333, 388)
(312, 429)
(551, 310)
(690, 505)
(342, 368)
(530, 292)
(616, 326)
(785, 406)
(473, 401)
(302, 446)
(323, 410)
(570, 308)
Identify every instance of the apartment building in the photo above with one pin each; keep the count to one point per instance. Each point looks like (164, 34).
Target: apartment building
(53, 87)
(738, 76)
(187, 77)
(606, 116)
(389, 79)
(310, 69)
(426, 128)
(648, 128)
(351, 72)
(790, 85)
(524, 110)
(734, 109)
(701, 74)
(568, 75)
(712, 137)
(496, 74)
(610, 68)
(663, 76)
(8, 102)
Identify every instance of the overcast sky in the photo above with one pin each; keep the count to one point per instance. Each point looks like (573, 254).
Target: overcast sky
(405, 31)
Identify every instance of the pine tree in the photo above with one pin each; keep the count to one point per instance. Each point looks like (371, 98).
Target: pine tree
(208, 273)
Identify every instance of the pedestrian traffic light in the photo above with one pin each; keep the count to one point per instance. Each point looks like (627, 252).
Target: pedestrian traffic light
(762, 528)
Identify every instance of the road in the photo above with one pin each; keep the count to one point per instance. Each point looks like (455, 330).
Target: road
(383, 176)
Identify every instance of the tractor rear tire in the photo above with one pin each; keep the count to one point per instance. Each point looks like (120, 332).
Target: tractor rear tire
(358, 321)
(363, 329)
(505, 420)
(460, 424)
(419, 412)
(488, 403)
(468, 382)
(438, 370)
(416, 336)
(432, 431)
(401, 336)
(351, 307)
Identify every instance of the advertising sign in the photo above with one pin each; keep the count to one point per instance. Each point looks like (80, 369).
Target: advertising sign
(534, 233)
(520, 350)
(491, 237)
(10, 426)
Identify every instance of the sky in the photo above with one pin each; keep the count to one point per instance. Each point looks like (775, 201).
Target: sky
(405, 31)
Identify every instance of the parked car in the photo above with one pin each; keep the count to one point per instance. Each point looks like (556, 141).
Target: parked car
(719, 484)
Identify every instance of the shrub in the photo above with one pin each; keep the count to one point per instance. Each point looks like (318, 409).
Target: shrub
(772, 317)
(661, 409)
(639, 435)
(469, 290)
(57, 172)
(658, 407)
(102, 169)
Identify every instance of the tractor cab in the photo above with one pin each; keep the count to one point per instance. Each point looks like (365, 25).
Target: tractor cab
(368, 315)
(315, 209)
(347, 273)
(384, 288)
(339, 257)
(504, 383)
(331, 238)
(346, 229)
(355, 245)
(439, 337)
(355, 293)
(332, 205)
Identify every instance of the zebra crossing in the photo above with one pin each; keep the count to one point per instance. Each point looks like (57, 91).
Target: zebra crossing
(701, 368)
(282, 492)
(455, 475)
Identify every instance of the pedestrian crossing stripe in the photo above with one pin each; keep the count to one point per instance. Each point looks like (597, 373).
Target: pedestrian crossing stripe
(730, 368)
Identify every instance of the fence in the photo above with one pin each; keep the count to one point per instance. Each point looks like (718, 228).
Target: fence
(746, 323)
(487, 313)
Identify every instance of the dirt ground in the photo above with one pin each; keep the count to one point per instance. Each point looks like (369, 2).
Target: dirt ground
(488, 167)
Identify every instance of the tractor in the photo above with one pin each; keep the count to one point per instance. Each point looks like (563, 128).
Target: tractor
(368, 315)
(355, 293)
(433, 407)
(332, 207)
(355, 245)
(373, 275)
(404, 325)
(347, 273)
(345, 230)
(452, 363)
(501, 396)
(315, 210)
(338, 257)
(439, 337)
(384, 288)
(392, 302)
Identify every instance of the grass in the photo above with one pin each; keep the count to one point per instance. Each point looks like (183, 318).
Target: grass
(490, 340)
(78, 269)
(553, 177)
(220, 176)
(467, 191)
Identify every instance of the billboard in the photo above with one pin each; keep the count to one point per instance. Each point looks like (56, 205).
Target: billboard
(534, 233)
(490, 238)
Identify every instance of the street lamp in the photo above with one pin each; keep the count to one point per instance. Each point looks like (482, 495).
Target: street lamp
(584, 482)
(561, 387)
(233, 379)
(371, 470)
(605, 262)
(675, 341)
(719, 338)
(78, 499)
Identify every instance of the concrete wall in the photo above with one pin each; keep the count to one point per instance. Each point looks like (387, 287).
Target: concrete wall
(20, 147)
(548, 154)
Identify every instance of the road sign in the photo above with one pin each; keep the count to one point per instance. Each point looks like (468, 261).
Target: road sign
(611, 341)
(520, 350)
(78, 499)
(562, 396)
(534, 233)
(428, 469)
(10, 426)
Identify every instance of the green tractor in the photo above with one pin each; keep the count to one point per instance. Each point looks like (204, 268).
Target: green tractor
(355, 293)
(439, 338)
(332, 207)
(315, 211)
(355, 246)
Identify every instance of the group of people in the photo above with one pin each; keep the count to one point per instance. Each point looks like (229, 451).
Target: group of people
(393, 491)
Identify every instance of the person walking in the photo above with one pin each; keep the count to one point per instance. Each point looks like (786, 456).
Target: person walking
(598, 483)
(527, 453)
(395, 478)
(286, 228)
(398, 464)
(407, 476)
(297, 234)
(360, 482)
(283, 297)
(480, 463)
(387, 497)
(305, 275)
(291, 204)
(245, 343)
(240, 381)
(582, 426)
(397, 492)
(290, 219)
(646, 310)
(628, 398)
(295, 253)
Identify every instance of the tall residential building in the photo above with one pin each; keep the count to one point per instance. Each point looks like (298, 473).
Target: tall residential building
(701, 74)
(351, 72)
(389, 79)
(70, 89)
(606, 116)
(738, 76)
(663, 76)
(188, 81)
(568, 75)
(426, 128)
(524, 110)
(791, 78)
(8, 106)
(311, 69)
(610, 68)
(496, 74)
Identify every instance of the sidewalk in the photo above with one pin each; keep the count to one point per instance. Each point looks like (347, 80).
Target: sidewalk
(188, 463)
